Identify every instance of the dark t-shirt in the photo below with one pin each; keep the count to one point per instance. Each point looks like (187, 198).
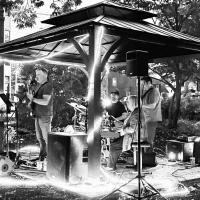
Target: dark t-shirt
(116, 109)
(41, 110)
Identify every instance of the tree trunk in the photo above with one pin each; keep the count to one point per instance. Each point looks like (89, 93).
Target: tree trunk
(174, 112)
(177, 106)
(170, 116)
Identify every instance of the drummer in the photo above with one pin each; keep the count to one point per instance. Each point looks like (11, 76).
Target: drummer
(117, 114)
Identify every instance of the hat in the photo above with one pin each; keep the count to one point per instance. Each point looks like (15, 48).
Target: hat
(115, 91)
(42, 68)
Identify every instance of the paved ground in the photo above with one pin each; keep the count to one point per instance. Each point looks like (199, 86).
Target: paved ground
(173, 180)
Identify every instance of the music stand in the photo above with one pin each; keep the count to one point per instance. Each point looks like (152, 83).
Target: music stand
(8, 109)
(6, 101)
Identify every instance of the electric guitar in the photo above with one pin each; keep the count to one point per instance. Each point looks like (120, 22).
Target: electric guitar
(31, 87)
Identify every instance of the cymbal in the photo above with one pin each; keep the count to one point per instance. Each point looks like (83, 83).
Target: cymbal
(81, 107)
(78, 107)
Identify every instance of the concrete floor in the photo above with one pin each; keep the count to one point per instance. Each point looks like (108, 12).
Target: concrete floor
(172, 180)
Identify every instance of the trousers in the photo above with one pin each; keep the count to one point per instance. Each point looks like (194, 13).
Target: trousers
(42, 128)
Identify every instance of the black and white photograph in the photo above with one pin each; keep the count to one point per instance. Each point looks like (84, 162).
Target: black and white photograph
(99, 99)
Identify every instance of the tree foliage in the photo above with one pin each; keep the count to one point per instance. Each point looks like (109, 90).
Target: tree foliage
(62, 6)
(24, 11)
(179, 15)
(182, 16)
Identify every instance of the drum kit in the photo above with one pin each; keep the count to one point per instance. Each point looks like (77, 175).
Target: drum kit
(80, 115)
(110, 127)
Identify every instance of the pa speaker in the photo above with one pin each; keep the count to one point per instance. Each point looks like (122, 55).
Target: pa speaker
(67, 156)
(137, 63)
(196, 152)
(148, 159)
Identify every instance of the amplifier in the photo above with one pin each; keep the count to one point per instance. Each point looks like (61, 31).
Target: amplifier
(196, 153)
(184, 138)
(148, 159)
(67, 156)
(179, 151)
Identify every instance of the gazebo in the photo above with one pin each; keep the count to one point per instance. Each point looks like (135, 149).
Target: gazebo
(93, 37)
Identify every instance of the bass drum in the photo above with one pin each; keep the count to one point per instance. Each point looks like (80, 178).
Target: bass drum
(6, 165)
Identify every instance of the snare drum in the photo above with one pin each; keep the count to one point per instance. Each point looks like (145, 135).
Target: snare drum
(105, 124)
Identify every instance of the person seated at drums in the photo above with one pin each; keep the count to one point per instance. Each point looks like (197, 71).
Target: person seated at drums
(118, 111)
(130, 127)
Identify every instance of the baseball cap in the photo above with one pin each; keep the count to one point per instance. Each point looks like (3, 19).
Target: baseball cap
(40, 67)
(114, 91)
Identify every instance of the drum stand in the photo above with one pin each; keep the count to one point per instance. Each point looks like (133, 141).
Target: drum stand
(17, 135)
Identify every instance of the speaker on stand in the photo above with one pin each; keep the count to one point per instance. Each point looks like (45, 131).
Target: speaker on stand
(137, 63)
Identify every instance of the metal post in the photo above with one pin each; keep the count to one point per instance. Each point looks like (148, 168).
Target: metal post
(139, 150)
(1, 41)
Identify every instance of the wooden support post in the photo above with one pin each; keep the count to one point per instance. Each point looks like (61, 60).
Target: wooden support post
(94, 107)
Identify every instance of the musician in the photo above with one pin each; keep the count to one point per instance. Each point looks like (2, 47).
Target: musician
(42, 102)
(116, 110)
(130, 127)
(151, 106)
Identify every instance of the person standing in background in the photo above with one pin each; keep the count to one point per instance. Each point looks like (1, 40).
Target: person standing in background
(151, 106)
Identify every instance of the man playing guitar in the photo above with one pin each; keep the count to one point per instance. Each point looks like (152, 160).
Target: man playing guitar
(42, 102)
(118, 113)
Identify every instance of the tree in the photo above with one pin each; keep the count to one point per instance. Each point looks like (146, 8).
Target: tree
(24, 11)
(175, 74)
(63, 6)
(182, 16)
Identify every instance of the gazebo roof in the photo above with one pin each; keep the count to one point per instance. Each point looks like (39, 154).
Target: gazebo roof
(105, 8)
(121, 23)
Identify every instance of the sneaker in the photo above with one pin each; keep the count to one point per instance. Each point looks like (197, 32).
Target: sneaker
(42, 156)
(108, 168)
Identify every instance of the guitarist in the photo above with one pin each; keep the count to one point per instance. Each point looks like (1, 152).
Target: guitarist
(151, 106)
(118, 111)
(42, 102)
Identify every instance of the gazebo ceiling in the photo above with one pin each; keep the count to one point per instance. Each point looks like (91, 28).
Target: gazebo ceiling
(128, 26)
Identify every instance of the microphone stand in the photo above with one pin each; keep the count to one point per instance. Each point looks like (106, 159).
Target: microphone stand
(139, 144)
(17, 133)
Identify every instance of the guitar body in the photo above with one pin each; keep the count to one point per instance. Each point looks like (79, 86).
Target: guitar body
(32, 88)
